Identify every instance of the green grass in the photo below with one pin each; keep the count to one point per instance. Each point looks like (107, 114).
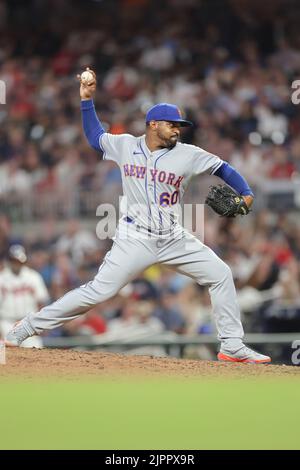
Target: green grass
(150, 414)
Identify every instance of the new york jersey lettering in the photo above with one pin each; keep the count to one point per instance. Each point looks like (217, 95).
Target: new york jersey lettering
(137, 171)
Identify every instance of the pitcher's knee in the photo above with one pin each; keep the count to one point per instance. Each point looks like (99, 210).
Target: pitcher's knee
(223, 272)
(98, 292)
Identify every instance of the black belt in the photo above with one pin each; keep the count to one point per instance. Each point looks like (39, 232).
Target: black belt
(129, 220)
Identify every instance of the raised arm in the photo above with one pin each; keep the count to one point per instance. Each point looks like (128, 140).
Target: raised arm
(92, 127)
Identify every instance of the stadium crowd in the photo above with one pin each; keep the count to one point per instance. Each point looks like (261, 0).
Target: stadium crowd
(231, 73)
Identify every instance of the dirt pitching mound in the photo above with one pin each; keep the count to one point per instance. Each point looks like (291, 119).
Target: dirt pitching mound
(70, 364)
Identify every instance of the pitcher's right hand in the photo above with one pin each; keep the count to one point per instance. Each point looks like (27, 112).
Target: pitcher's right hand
(87, 89)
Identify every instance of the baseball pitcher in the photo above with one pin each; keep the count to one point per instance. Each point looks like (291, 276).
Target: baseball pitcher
(156, 169)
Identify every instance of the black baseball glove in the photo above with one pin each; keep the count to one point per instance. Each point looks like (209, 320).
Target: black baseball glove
(226, 202)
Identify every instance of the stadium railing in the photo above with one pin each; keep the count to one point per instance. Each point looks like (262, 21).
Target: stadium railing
(165, 340)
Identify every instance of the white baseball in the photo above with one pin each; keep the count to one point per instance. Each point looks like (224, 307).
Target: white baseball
(87, 76)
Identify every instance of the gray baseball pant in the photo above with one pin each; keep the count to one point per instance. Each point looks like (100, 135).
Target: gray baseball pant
(131, 255)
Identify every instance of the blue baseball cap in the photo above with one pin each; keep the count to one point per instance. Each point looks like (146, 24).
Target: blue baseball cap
(166, 112)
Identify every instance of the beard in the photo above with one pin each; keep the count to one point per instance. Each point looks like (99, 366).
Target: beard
(172, 142)
(168, 142)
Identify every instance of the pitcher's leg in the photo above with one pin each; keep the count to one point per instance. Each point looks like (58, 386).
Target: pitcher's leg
(189, 256)
(123, 262)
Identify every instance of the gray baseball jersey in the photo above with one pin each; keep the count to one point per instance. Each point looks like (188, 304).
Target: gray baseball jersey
(154, 182)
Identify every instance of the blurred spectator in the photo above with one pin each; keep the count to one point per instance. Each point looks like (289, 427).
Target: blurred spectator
(135, 319)
(90, 324)
(168, 311)
(22, 290)
(76, 242)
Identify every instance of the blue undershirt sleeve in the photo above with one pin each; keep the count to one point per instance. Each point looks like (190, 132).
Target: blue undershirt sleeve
(234, 179)
(91, 125)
